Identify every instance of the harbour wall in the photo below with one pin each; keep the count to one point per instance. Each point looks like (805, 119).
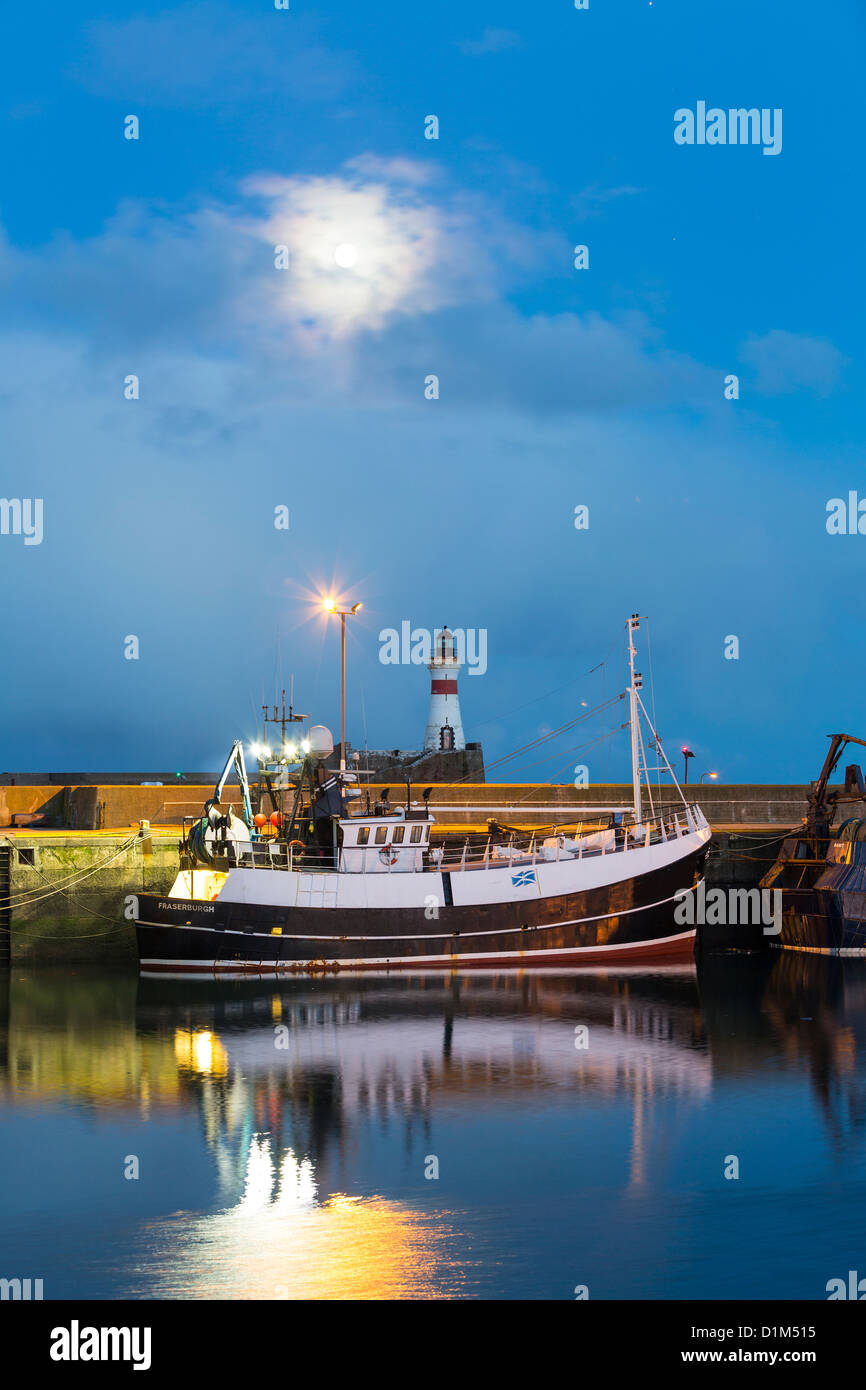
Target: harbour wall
(108, 806)
(66, 894)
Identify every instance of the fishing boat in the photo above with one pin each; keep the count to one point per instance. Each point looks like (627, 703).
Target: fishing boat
(820, 869)
(337, 883)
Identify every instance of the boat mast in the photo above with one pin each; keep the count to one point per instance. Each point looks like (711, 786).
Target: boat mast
(634, 685)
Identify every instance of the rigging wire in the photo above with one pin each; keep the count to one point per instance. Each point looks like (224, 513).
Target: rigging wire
(578, 748)
(653, 700)
(27, 899)
(534, 701)
(554, 733)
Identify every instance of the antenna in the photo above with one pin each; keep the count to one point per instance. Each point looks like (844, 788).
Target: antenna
(635, 682)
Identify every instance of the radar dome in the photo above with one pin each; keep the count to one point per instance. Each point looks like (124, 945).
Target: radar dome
(321, 742)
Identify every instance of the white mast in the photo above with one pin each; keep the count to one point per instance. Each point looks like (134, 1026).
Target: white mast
(634, 685)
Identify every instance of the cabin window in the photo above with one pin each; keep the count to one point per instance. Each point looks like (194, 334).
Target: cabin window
(381, 834)
(363, 834)
(417, 832)
(399, 832)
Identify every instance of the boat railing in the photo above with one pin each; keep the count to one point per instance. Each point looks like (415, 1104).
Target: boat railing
(520, 850)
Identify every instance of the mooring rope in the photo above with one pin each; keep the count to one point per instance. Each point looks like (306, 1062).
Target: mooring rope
(27, 899)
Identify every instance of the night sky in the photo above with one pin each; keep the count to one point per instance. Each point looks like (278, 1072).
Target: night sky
(304, 387)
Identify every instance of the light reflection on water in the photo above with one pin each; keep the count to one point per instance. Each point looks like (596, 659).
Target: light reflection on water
(342, 1248)
(286, 1131)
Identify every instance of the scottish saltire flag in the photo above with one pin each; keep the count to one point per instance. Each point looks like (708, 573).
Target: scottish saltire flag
(523, 878)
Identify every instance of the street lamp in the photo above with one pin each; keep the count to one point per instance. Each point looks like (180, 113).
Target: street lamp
(330, 606)
(687, 753)
(712, 776)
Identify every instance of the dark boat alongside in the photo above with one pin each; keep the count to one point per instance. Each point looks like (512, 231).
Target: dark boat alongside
(821, 871)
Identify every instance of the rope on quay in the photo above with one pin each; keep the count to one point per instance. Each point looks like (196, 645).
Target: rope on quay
(27, 899)
(759, 840)
(77, 936)
(750, 856)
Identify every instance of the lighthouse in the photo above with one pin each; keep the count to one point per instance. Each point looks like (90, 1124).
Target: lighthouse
(444, 725)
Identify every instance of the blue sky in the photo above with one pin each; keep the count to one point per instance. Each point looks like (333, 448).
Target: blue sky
(305, 387)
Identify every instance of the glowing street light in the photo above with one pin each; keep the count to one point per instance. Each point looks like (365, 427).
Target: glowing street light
(687, 753)
(712, 776)
(330, 606)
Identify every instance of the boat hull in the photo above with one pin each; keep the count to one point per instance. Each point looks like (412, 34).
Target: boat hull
(631, 920)
(829, 917)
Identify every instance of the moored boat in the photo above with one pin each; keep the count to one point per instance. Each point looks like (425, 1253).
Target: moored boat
(345, 887)
(820, 869)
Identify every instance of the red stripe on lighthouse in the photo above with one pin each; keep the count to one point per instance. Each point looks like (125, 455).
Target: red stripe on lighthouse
(443, 687)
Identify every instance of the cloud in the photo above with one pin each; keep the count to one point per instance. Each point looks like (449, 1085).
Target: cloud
(786, 362)
(393, 275)
(206, 54)
(590, 202)
(366, 246)
(491, 41)
(364, 251)
(558, 364)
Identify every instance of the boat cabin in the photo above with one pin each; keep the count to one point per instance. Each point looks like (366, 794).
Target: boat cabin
(391, 843)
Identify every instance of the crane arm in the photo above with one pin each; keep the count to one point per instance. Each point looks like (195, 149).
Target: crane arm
(236, 759)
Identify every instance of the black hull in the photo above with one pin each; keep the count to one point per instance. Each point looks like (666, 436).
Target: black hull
(830, 915)
(630, 920)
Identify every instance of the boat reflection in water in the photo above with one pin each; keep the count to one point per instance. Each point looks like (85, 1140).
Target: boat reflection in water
(289, 1078)
(290, 1130)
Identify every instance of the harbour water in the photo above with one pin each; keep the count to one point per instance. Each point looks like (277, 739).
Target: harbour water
(654, 1134)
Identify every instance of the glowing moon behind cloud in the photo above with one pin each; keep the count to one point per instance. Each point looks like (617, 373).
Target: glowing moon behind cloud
(408, 253)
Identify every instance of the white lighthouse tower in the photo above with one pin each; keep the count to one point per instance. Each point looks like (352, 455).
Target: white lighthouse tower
(444, 725)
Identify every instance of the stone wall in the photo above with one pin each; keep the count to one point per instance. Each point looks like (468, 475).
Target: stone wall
(115, 806)
(764, 804)
(101, 807)
(68, 893)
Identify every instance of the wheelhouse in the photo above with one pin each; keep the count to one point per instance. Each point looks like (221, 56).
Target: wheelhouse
(393, 843)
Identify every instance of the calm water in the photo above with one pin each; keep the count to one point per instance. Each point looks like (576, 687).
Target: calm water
(282, 1134)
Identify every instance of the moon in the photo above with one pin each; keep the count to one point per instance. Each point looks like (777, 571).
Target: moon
(346, 255)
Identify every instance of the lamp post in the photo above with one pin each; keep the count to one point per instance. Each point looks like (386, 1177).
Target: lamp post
(687, 753)
(712, 776)
(330, 606)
